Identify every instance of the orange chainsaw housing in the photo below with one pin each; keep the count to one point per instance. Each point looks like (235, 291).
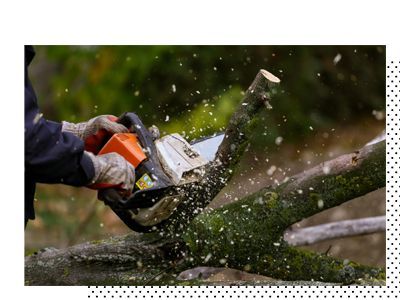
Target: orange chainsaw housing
(140, 150)
(127, 145)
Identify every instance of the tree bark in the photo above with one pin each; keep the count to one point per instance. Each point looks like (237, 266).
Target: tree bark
(246, 235)
(133, 259)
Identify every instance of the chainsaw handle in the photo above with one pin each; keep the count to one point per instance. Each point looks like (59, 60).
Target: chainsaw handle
(132, 121)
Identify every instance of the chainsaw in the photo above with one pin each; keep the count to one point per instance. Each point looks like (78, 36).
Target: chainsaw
(161, 164)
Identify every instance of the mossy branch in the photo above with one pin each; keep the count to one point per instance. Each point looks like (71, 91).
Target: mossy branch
(195, 197)
(332, 183)
(248, 234)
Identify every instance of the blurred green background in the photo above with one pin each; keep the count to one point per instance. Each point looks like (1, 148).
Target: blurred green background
(320, 85)
(331, 100)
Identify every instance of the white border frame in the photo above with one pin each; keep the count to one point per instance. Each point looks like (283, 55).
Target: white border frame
(248, 22)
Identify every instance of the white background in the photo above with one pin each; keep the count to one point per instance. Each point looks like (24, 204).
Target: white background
(151, 22)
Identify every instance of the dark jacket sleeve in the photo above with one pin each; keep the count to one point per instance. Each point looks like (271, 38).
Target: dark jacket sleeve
(52, 156)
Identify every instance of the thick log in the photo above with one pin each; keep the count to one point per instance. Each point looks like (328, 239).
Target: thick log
(245, 235)
(133, 259)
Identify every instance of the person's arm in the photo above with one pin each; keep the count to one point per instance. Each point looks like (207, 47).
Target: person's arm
(53, 156)
(55, 152)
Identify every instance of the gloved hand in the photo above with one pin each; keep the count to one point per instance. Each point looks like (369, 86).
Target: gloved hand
(96, 131)
(112, 171)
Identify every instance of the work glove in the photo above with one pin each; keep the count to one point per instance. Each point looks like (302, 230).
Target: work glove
(95, 132)
(112, 171)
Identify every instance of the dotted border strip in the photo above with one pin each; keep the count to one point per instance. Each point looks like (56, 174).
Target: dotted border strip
(305, 292)
(392, 173)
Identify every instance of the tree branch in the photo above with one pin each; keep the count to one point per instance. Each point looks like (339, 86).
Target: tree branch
(314, 234)
(248, 234)
(332, 183)
(236, 138)
(195, 197)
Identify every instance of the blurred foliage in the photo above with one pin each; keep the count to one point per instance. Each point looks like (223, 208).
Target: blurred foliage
(194, 89)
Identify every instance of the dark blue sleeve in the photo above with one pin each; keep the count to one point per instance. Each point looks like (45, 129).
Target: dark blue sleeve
(52, 156)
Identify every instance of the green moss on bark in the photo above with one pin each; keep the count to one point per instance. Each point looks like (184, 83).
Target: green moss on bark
(248, 234)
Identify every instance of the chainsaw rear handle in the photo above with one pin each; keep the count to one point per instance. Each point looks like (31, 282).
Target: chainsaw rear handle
(131, 121)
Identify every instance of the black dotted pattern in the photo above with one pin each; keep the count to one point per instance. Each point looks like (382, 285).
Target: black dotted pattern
(305, 292)
(392, 173)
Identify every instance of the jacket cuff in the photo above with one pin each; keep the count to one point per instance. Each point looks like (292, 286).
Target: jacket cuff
(88, 167)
